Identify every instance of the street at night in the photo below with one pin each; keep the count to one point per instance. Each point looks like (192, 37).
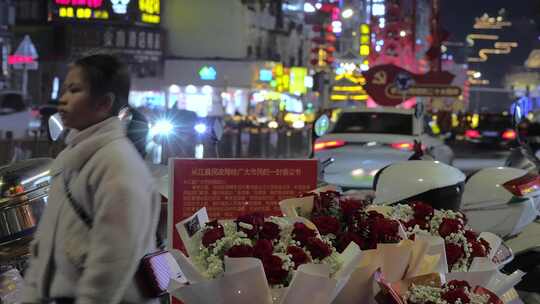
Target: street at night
(269, 151)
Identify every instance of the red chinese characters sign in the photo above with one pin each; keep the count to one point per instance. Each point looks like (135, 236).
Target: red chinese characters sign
(229, 188)
(390, 85)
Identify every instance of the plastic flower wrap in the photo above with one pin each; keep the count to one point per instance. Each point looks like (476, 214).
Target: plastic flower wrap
(402, 241)
(431, 288)
(280, 259)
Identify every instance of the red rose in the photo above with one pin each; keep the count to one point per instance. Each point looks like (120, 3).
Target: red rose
(299, 256)
(250, 223)
(270, 231)
(422, 211)
(318, 248)
(240, 251)
(449, 226)
(385, 230)
(326, 224)
(374, 215)
(453, 253)
(478, 250)
(349, 206)
(301, 233)
(453, 295)
(471, 235)
(346, 238)
(263, 248)
(273, 268)
(213, 235)
(458, 284)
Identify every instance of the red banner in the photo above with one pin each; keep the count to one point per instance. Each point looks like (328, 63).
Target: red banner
(390, 85)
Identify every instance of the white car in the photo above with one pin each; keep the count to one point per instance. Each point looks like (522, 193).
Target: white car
(364, 141)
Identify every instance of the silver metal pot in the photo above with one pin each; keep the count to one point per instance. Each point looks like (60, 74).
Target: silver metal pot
(24, 188)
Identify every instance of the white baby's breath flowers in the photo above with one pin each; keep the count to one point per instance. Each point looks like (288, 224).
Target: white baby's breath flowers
(421, 294)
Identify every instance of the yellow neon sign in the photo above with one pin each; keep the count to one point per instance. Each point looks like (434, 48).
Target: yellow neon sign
(348, 88)
(500, 48)
(364, 29)
(82, 13)
(147, 18)
(150, 6)
(470, 38)
(364, 50)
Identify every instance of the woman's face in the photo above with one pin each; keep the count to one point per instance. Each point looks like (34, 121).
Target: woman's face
(77, 107)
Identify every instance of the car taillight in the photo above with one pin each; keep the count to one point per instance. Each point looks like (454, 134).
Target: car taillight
(524, 185)
(509, 135)
(403, 145)
(472, 134)
(328, 144)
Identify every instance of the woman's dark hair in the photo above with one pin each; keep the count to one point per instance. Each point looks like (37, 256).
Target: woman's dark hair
(107, 74)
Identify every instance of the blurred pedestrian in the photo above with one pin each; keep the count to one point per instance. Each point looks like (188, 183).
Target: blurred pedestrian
(103, 206)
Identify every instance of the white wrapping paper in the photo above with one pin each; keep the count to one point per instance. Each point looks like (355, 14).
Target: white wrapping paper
(244, 280)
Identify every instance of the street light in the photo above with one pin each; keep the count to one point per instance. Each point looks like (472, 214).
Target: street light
(477, 75)
(347, 13)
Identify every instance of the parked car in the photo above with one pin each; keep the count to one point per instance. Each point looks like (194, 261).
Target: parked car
(363, 141)
(494, 131)
(15, 116)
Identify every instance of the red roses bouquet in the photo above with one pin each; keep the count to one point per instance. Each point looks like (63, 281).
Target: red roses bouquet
(345, 220)
(272, 259)
(462, 245)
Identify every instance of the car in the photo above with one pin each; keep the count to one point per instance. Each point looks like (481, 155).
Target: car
(493, 131)
(15, 116)
(363, 141)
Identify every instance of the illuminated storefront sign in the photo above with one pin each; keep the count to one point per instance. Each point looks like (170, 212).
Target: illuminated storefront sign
(297, 84)
(120, 6)
(150, 10)
(265, 75)
(121, 11)
(88, 3)
(364, 40)
(208, 73)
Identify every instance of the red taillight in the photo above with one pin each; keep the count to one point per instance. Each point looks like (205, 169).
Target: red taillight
(328, 144)
(472, 134)
(403, 145)
(523, 185)
(509, 135)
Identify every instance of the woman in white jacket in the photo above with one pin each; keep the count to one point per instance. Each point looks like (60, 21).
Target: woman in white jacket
(107, 177)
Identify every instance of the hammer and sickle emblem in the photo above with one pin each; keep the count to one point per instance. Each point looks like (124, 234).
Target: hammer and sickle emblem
(379, 78)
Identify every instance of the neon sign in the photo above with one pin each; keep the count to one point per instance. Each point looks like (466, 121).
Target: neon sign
(121, 11)
(208, 73)
(87, 3)
(150, 10)
(18, 59)
(120, 6)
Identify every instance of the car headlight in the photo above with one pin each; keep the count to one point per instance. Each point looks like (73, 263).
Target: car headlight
(200, 128)
(162, 127)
